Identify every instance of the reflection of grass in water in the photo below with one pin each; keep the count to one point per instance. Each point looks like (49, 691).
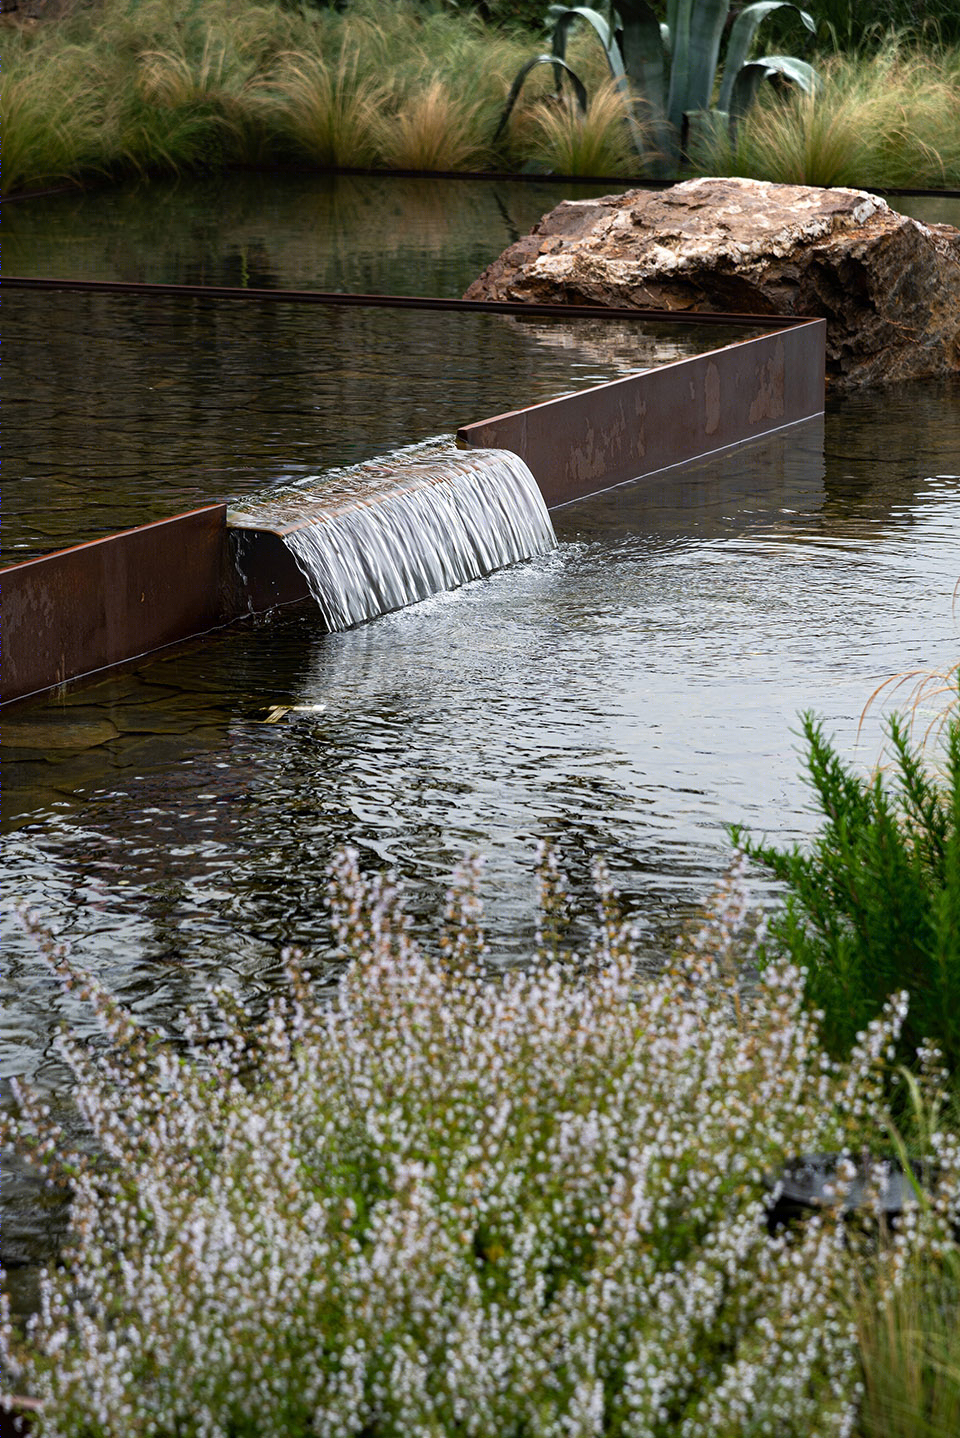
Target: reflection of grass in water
(890, 119)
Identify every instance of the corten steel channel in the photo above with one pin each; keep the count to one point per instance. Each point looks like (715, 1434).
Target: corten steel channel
(401, 302)
(113, 599)
(634, 427)
(101, 604)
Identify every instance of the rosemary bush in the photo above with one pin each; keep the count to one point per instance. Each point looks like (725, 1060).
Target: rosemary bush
(451, 1202)
(875, 903)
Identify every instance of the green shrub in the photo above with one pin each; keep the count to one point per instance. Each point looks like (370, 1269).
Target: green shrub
(875, 903)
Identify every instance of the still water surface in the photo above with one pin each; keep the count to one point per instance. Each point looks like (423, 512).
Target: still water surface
(634, 692)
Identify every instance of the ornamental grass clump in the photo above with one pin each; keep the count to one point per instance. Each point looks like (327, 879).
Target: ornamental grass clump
(324, 111)
(887, 119)
(455, 1201)
(569, 141)
(51, 114)
(436, 129)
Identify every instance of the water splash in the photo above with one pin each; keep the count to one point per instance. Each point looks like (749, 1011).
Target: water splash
(384, 536)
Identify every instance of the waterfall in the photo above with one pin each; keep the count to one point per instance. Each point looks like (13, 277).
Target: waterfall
(388, 535)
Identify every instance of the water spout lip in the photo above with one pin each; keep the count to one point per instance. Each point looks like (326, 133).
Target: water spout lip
(384, 535)
(370, 484)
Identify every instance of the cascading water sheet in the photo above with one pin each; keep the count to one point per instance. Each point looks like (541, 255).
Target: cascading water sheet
(386, 535)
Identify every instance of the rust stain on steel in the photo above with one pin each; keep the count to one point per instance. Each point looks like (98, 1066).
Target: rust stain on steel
(113, 599)
(660, 417)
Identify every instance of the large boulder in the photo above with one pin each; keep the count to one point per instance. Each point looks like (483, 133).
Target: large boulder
(888, 286)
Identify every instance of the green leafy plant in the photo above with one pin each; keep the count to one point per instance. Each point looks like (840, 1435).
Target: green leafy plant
(875, 903)
(669, 69)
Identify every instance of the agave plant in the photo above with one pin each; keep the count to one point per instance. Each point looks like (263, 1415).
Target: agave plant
(669, 70)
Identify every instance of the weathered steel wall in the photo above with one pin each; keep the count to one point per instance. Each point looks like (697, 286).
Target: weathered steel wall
(110, 600)
(583, 443)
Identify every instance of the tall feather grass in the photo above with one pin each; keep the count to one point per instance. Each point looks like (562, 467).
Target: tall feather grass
(324, 112)
(51, 116)
(151, 85)
(568, 142)
(434, 130)
(890, 120)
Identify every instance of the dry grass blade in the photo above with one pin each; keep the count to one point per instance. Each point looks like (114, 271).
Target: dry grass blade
(929, 688)
(434, 130)
(569, 142)
(910, 1354)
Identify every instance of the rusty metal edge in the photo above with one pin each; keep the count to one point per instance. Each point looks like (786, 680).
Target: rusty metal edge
(22, 564)
(236, 589)
(597, 439)
(681, 463)
(411, 302)
(110, 600)
(117, 666)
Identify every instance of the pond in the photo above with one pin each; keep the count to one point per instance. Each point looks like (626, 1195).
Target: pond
(631, 693)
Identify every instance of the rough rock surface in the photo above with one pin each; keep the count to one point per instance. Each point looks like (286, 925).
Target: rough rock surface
(888, 286)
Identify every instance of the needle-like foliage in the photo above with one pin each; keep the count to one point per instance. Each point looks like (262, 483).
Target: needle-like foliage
(875, 901)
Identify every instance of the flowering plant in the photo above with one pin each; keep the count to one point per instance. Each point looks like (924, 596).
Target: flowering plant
(455, 1202)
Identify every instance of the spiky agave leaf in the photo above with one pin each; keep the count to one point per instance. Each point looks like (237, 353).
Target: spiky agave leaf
(579, 89)
(749, 78)
(741, 38)
(646, 46)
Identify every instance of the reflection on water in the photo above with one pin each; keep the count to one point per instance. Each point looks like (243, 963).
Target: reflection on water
(122, 410)
(360, 234)
(633, 691)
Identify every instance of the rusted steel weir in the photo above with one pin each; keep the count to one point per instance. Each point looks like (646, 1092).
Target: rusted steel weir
(106, 602)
